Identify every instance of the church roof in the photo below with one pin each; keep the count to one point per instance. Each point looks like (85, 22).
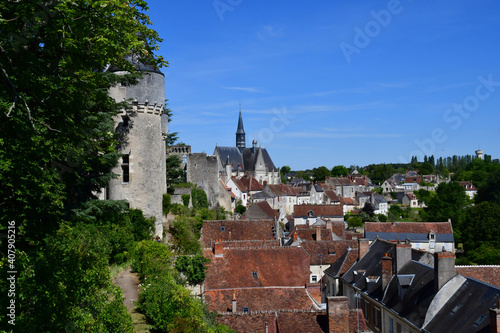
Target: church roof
(246, 160)
(240, 129)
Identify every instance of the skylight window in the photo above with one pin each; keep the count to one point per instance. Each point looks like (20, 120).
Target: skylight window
(246, 310)
(255, 274)
(222, 229)
(479, 320)
(456, 308)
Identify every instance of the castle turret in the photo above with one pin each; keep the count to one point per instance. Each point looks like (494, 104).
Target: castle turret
(142, 127)
(240, 135)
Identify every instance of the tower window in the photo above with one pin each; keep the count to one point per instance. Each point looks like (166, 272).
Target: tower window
(125, 169)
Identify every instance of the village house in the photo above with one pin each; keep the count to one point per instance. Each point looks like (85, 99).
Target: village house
(283, 197)
(307, 214)
(260, 211)
(427, 236)
(400, 289)
(239, 189)
(470, 189)
(410, 200)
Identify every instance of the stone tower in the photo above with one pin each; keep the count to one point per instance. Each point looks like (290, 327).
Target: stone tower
(479, 154)
(240, 135)
(143, 126)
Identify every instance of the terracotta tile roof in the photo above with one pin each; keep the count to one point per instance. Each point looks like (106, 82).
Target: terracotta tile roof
(289, 322)
(308, 233)
(257, 267)
(411, 196)
(332, 195)
(327, 252)
(360, 181)
(468, 186)
(409, 227)
(230, 230)
(259, 299)
(318, 210)
(250, 243)
(487, 274)
(348, 201)
(251, 183)
(300, 191)
(239, 184)
(227, 188)
(281, 189)
(249, 323)
(325, 186)
(413, 179)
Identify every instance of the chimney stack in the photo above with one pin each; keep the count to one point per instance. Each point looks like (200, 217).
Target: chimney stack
(495, 319)
(234, 308)
(295, 236)
(403, 255)
(218, 248)
(338, 314)
(386, 270)
(444, 268)
(318, 233)
(363, 247)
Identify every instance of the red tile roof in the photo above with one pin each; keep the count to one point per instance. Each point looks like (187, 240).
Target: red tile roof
(239, 184)
(318, 210)
(259, 299)
(251, 183)
(413, 179)
(250, 243)
(236, 230)
(310, 322)
(308, 233)
(468, 186)
(348, 201)
(332, 195)
(281, 189)
(257, 267)
(487, 274)
(227, 188)
(327, 252)
(411, 196)
(249, 323)
(409, 227)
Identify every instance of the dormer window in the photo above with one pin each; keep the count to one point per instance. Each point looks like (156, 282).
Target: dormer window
(222, 229)
(310, 213)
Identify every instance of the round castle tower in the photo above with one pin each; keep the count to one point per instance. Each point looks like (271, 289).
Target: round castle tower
(142, 128)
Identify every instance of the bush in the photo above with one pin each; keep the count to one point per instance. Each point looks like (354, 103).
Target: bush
(199, 198)
(166, 202)
(382, 218)
(240, 209)
(355, 222)
(185, 199)
(193, 267)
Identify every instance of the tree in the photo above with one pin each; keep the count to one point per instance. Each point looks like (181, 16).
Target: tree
(193, 267)
(354, 222)
(283, 171)
(481, 229)
(175, 173)
(199, 198)
(339, 170)
(450, 201)
(57, 144)
(490, 189)
(240, 209)
(320, 174)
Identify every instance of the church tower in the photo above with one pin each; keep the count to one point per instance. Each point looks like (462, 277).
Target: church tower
(142, 127)
(240, 135)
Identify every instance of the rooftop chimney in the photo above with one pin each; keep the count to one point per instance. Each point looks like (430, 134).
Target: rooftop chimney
(386, 270)
(234, 308)
(495, 319)
(218, 248)
(403, 255)
(444, 268)
(318, 233)
(338, 314)
(363, 247)
(295, 236)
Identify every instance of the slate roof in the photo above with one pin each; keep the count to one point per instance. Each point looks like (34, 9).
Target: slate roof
(261, 195)
(257, 267)
(488, 274)
(318, 210)
(245, 160)
(415, 231)
(231, 230)
(259, 299)
(261, 210)
(476, 299)
(343, 263)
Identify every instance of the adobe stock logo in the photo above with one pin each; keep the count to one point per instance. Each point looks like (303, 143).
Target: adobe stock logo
(222, 6)
(277, 124)
(455, 117)
(371, 29)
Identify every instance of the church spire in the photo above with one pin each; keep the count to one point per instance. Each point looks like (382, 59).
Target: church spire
(240, 134)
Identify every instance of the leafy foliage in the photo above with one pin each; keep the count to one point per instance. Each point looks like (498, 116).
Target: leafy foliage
(339, 170)
(240, 209)
(166, 203)
(185, 199)
(193, 267)
(320, 174)
(450, 201)
(185, 234)
(199, 198)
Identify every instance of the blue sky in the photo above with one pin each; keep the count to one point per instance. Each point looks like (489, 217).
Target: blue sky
(334, 82)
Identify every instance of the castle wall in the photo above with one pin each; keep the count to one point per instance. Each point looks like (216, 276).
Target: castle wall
(202, 170)
(142, 142)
